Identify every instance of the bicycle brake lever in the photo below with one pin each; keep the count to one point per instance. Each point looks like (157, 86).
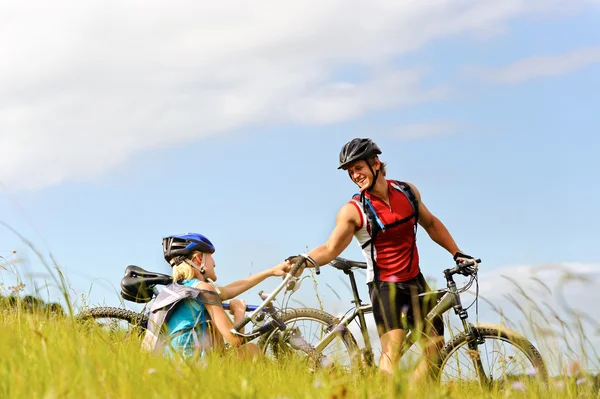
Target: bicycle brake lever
(294, 284)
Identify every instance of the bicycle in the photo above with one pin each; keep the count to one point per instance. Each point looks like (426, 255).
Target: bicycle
(471, 338)
(278, 330)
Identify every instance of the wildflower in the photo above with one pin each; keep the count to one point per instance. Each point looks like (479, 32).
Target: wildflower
(519, 386)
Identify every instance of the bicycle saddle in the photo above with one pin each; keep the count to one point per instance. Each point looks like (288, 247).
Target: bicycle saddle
(137, 284)
(346, 264)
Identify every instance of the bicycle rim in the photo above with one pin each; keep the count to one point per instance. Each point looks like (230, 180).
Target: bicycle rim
(305, 328)
(507, 359)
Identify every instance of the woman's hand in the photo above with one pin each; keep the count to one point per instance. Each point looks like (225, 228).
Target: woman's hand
(237, 307)
(281, 269)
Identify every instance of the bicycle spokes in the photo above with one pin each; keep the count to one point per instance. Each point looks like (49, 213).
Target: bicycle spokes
(495, 361)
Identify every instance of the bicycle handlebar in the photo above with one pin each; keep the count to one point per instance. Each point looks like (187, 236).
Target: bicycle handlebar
(298, 265)
(460, 268)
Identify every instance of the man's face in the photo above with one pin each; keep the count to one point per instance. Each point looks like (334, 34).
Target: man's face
(360, 173)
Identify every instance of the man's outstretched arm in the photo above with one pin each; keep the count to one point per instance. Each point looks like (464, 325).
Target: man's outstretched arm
(348, 219)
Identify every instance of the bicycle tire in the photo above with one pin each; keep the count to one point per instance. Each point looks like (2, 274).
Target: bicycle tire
(134, 319)
(538, 372)
(291, 317)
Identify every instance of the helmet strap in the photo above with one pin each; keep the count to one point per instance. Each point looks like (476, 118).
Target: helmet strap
(203, 271)
(375, 176)
(200, 267)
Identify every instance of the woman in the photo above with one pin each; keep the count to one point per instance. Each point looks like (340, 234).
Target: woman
(200, 323)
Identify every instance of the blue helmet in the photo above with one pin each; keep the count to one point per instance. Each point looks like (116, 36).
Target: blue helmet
(183, 245)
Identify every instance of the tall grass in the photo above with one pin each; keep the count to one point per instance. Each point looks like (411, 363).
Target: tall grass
(46, 355)
(54, 357)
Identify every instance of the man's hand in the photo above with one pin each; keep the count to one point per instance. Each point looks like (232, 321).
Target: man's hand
(459, 258)
(237, 307)
(292, 260)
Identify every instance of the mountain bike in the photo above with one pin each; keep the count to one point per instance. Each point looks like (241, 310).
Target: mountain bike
(475, 354)
(279, 331)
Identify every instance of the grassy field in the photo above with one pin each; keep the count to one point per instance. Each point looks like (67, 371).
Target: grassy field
(47, 355)
(55, 357)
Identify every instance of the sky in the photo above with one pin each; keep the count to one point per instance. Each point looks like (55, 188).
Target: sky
(122, 122)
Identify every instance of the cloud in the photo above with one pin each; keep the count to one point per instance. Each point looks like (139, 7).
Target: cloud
(568, 288)
(85, 85)
(539, 66)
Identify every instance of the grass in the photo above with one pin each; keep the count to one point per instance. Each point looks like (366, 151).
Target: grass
(48, 356)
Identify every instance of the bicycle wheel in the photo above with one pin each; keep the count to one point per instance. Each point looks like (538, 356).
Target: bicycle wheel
(305, 328)
(116, 320)
(506, 358)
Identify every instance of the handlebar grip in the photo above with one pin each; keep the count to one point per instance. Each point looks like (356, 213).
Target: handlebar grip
(241, 324)
(472, 262)
(298, 265)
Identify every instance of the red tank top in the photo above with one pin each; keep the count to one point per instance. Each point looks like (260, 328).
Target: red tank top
(396, 255)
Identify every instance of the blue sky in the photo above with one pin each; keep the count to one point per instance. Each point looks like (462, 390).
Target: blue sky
(231, 125)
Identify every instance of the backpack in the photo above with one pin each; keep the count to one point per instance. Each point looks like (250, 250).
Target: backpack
(375, 224)
(156, 338)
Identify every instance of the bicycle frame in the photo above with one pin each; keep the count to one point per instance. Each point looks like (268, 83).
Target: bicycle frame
(447, 299)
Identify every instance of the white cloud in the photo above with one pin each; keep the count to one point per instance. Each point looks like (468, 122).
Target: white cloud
(84, 85)
(569, 288)
(539, 66)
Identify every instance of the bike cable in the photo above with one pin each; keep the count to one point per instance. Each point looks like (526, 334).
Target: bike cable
(476, 300)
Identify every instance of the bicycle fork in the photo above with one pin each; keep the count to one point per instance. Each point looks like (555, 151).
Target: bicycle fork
(473, 338)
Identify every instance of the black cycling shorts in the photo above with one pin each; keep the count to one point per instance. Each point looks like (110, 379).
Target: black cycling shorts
(398, 306)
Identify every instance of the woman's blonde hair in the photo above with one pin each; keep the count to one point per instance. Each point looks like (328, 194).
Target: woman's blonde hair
(184, 271)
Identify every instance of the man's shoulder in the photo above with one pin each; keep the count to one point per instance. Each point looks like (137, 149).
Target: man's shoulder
(350, 212)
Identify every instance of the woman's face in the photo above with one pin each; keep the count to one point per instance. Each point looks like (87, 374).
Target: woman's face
(209, 265)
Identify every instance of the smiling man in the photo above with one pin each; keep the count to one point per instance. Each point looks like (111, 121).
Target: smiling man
(384, 217)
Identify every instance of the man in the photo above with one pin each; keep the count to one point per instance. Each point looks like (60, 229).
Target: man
(383, 218)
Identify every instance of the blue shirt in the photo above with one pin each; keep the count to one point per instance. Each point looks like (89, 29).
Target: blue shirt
(186, 314)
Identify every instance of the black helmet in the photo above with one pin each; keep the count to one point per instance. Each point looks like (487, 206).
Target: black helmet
(357, 149)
